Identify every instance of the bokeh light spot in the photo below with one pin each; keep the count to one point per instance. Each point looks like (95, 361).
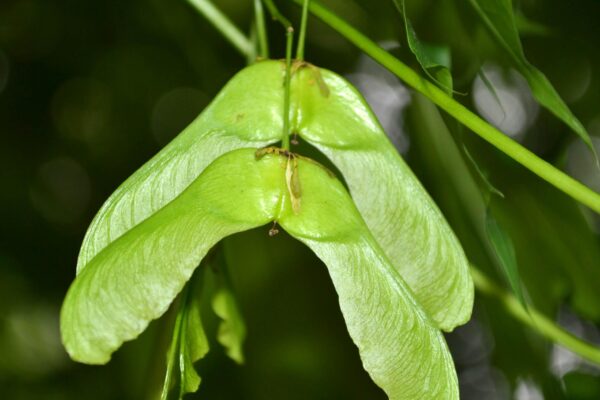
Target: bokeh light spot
(61, 191)
(510, 106)
(81, 109)
(174, 110)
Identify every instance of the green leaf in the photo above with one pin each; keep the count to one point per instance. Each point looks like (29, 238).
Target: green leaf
(499, 17)
(400, 346)
(488, 188)
(490, 87)
(435, 60)
(193, 344)
(189, 343)
(553, 238)
(398, 211)
(246, 113)
(232, 329)
(505, 255)
(134, 279)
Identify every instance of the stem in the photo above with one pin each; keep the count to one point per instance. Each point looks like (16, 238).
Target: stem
(224, 25)
(535, 319)
(253, 55)
(276, 15)
(261, 30)
(285, 139)
(302, 36)
(542, 168)
(289, 34)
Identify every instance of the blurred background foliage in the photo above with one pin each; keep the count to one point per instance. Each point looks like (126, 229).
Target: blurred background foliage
(91, 90)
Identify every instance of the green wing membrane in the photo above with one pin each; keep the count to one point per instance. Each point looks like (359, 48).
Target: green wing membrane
(134, 279)
(398, 211)
(246, 113)
(399, 272)
(330, 114)
(400, 346)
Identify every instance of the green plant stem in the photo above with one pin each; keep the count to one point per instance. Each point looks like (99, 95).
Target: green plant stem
(276, 15)
(285, 139)
(261, 30)
(543, 169)
(535, 319)
(224, 25)
(302, 35)
(289, 34)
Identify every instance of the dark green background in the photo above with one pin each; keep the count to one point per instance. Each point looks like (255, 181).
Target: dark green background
(91, 90)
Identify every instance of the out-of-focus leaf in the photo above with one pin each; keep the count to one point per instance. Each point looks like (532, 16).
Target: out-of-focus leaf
(554, 234)
(505, 255)
(526, 26)
(189, 343)
(232, 329)
(489, 188)
(398, 211)
(500, 242)
(435, 60)
(134, 279)
(400, 346)
(499, 17)
(582, 386)
(246, 113)
(490, 87)
(193, 343)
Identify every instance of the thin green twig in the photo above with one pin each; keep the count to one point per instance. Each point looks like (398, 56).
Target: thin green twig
(542, 168)
(224, 25)
(261, 30)
(535, 319)
(302, 35)
(289, 33)
(285, 139)
(276, 15)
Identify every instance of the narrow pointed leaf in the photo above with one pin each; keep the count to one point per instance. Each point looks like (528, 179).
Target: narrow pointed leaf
(400, 346)
(505, 255)
(246, 113)
(134, 279)
(398, 211)
(499, 17)
(188, 345)
(232, 329)
(172, 357)
(488, 188)
(194, 343)
(435, 60)
(492, 89)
